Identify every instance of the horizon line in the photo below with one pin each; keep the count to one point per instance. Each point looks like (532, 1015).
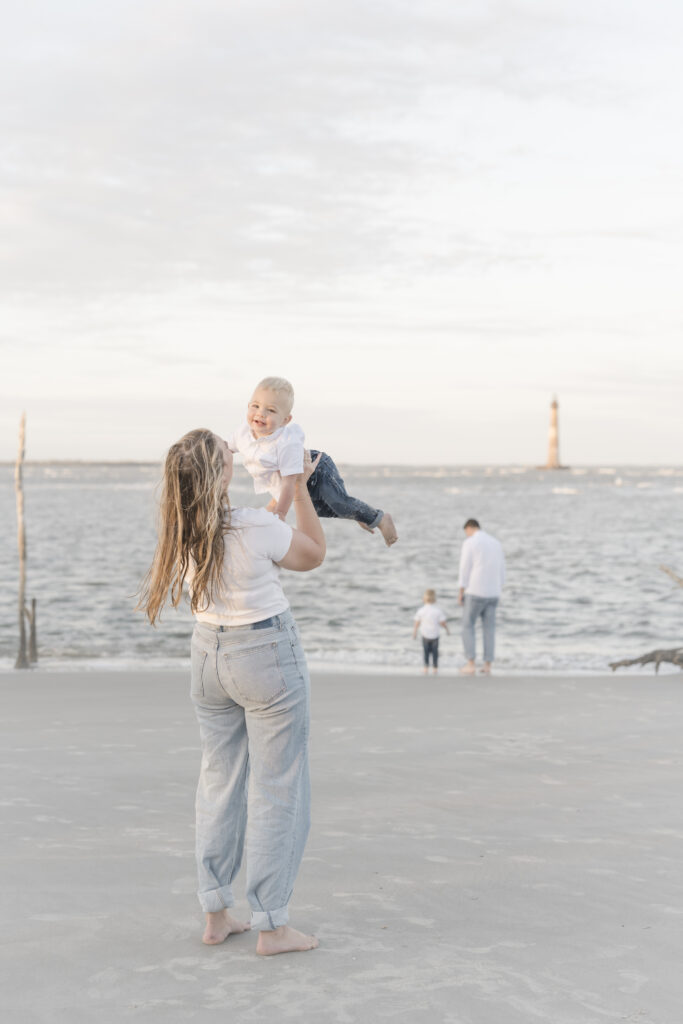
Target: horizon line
(389, 465)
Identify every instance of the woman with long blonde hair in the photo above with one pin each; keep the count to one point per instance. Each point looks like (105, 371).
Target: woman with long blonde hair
(249, 683)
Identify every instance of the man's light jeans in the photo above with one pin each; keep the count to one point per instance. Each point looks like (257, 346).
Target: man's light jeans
(473, 608)
(250, 690)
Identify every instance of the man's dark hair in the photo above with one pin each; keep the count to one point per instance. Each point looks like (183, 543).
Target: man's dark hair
(472, 522)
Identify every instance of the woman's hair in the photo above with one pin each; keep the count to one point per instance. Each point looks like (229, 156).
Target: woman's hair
(192, 524)
(429, 596)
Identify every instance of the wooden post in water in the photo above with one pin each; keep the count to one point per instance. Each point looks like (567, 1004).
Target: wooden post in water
(33, 637)
(22, 660)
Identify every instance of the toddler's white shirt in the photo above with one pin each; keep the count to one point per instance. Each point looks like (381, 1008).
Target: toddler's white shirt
(267, 459)
(430, 618)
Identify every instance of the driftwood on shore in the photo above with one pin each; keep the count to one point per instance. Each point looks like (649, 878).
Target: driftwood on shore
(673, 656)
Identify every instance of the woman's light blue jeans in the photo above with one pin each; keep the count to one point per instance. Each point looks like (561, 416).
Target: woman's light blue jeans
(475, 607)
(250, 690)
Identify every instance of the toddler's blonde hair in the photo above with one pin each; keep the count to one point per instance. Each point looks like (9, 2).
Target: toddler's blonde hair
(429, 596)
(280, 386)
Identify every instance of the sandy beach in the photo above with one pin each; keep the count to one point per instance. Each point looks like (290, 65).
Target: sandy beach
(483, 851)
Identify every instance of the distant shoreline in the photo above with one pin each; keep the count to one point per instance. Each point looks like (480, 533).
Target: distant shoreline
(531, 467)
(180, 666)
(341, 673)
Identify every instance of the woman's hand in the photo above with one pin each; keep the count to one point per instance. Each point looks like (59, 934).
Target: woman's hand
(307, 549)
(310, 467)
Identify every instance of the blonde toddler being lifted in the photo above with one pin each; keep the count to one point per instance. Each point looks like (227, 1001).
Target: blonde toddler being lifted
(273, 450)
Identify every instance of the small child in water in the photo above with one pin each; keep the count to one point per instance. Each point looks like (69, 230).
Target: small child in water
(429, 619)
(273, 451)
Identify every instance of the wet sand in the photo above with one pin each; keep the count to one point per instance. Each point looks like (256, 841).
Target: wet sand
(483, 851)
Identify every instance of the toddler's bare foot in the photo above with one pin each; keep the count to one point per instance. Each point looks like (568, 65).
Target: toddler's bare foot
(284, 940)
(388, 530)
(220, 925)
(365, 527)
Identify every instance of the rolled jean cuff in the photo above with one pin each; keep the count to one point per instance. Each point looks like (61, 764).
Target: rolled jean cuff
(377, 520)
(267, 920)
(216, 899)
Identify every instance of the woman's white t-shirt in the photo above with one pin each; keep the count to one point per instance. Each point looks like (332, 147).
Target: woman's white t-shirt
(430, 618)
(251, 588)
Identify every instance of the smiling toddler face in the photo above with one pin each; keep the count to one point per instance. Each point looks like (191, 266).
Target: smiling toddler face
(267, 411)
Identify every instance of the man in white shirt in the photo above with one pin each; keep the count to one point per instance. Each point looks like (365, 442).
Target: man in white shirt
(482, 574)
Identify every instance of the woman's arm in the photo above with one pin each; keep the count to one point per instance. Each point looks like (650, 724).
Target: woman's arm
(307, 549)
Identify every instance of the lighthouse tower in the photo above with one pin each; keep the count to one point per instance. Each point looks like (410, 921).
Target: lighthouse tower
(553, 438)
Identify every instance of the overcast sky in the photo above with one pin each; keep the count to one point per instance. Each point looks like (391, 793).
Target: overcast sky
(429, 216)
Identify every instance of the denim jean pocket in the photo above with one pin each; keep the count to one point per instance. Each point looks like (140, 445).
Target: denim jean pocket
(294, 635)
(198, 661)
(256, 673)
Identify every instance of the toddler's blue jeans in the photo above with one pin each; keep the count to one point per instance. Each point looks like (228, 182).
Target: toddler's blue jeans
(330, 498)
(430, 645)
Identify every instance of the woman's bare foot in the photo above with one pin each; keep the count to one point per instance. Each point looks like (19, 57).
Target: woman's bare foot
(220, 925)
(469, 669)
(388, 530)
(284, 940)
(365, 526)
(486, 669)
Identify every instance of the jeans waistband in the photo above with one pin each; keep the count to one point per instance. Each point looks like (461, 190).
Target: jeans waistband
(273, 622)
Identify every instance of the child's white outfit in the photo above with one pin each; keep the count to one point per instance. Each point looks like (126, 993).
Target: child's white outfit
(430, 618)
(267, 459)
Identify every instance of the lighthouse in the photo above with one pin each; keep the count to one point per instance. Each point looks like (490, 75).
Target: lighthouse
(553, 438)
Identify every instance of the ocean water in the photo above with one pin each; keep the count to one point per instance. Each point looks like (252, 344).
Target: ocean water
(583, 550)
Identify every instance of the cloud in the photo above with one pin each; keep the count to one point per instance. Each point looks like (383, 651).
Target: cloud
(158, 144)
